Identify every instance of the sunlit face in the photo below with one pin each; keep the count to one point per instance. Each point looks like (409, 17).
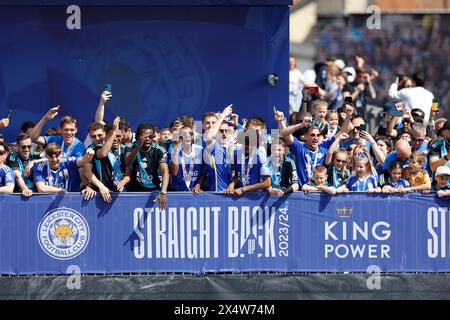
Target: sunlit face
(340, 160)
(312, 139)
(222, 134)
(24, 147)
(117, 140)
(54, 159)
(292, 63)
(320, 112)
(361, 166)
(97, 136)
(357, 127)
(417, 139)
(406, 137)
(442, 180)
(415, 165)
(383, 146)
(333, 120)
(127, 136)
(208, 122)
(320, 178)
(68, 132)
(396, 174)
(165, 135)
(149, 135)
(187, 135)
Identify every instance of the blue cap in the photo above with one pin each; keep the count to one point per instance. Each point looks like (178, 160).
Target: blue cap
(388, 106)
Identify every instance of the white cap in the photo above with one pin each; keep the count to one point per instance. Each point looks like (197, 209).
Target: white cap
(442, 171)
(351, 73)
(339, 63)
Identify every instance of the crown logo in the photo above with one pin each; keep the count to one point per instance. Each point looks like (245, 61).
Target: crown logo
(344, 212)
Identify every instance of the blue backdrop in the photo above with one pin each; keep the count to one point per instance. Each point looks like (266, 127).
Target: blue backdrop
(162, 61)
(215, 233)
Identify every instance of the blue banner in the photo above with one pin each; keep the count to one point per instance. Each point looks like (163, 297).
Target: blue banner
(146, 2)
(162, 63)
(46, 234)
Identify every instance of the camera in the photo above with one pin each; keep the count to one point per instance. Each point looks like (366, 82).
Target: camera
(272, 79)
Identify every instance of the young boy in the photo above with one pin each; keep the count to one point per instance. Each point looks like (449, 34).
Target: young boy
(283, 174)
(319, 182)
(417, 177)
(441, 183)
(319, 109)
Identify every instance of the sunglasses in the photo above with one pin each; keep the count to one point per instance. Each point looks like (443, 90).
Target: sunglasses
(2, 152)
(361, 155)
(223, 130)
(26, 147)
(418, 140)
(51, 155)
(340, 161)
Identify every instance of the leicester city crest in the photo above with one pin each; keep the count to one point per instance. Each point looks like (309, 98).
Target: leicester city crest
(63, 233)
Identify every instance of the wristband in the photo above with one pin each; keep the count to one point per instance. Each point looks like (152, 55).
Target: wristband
(164, 193)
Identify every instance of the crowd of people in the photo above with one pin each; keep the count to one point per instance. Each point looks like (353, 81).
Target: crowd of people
(317, 148)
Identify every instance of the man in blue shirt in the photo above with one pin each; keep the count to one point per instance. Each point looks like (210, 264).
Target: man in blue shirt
(71, 146)
(6, 174)
(55, 175)
(308, 154)
(217, 156)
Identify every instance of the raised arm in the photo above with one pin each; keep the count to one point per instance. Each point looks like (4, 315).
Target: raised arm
(100, 112)
(379, 155)
(340, 136)
(103, 152)
(211, 132)
(36, 132)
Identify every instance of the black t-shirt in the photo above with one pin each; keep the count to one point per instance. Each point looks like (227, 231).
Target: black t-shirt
(108, 174)
(150, 161)
(337, 178)
(15, 162)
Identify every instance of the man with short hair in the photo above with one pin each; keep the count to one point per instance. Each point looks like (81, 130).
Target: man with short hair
(71, 146)
(19, 160)
(146, 161)
(6, 174)
(56, 175)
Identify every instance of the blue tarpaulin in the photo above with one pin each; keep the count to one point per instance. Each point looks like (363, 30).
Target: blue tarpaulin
(46, 234)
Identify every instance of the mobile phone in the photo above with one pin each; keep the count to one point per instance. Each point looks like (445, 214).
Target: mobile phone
(435, 105)
(363, 127)
(108, 88)
(9, 113)
(312, 90)
(348, 100)
(395, 113)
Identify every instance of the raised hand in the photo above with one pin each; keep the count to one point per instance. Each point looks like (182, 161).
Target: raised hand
(279, 115)
(105, 96)
(52, 113)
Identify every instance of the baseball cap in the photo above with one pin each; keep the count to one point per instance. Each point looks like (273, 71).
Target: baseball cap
(388, 106)
(339, 63)
(442, 171)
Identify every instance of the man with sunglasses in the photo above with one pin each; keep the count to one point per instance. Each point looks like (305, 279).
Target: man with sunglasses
(6, 174)
(307, 154)
(56, 175)
(19, 160)
(146, 161)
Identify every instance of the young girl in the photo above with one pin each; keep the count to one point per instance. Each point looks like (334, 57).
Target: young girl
(417, 177)
(333, 121)
(395, 183)
(338, 174)
(363, 180)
